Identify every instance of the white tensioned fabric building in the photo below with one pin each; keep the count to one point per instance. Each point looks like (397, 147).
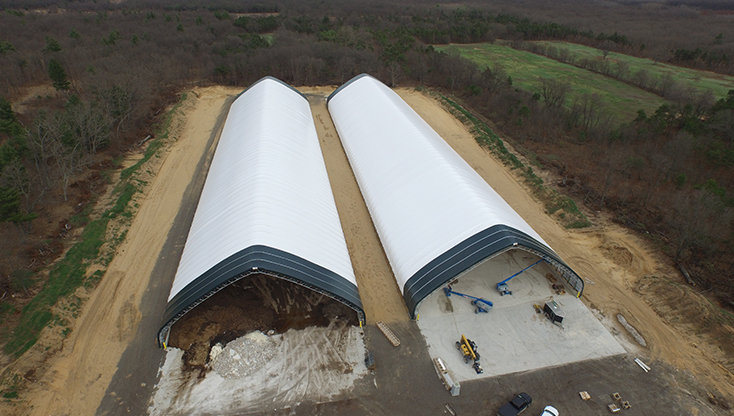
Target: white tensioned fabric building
(266, 208)
(436, 217)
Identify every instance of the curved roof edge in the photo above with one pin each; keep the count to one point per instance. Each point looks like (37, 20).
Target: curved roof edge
(264, 260)
(346, 84)
(272, 79)
(491, 241)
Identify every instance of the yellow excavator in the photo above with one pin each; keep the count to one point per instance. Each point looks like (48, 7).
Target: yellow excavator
(468, 349)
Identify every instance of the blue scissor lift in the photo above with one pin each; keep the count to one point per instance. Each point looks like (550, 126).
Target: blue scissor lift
(502, 286)
(482, 305)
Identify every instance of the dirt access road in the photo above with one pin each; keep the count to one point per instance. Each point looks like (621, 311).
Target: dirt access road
(608, 257)
(116, 328)
(74, 380)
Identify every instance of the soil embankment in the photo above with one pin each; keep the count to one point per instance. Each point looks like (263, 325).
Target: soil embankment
(74, 380)
(612, 261)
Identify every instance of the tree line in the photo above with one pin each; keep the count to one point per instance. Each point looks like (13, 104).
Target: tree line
(113, 69)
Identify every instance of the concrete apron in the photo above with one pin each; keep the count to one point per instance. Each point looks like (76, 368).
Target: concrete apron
(512, 337)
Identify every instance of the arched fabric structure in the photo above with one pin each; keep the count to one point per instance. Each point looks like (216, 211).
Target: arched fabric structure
(266, 207)
(436, 217)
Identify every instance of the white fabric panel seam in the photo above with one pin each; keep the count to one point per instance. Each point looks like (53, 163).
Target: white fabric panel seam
(422, 196)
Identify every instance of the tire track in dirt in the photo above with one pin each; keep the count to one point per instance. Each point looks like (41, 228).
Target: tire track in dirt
(381, 296)
(80, 374)
(590, 252)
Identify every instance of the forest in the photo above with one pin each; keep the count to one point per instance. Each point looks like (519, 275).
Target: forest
(93, 78)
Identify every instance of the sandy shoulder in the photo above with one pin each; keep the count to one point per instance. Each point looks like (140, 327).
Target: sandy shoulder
(78, 376)
(608, 257)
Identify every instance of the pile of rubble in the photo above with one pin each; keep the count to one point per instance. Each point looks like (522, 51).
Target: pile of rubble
(243, 356)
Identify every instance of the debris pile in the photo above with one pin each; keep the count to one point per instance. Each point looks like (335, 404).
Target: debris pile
(636, 335)
(244, 356)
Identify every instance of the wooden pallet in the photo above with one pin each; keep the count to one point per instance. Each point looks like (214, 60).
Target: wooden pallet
(388, 333)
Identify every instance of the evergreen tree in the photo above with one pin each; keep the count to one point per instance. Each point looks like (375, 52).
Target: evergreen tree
(52, 45)
(9, 205)
(7, 116)
(58, 75)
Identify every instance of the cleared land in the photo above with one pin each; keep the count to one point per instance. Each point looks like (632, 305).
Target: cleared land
(718, 84)
(105, 356)
(526, 69)
(74, 380)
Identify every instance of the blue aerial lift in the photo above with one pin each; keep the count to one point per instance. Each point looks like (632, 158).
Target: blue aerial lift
(475, 300)
(502, 286)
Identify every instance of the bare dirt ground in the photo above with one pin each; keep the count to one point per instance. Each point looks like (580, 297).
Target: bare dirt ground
(381, 298)
(76, 377)
(30, 94)
(72, 378)
(610, 258)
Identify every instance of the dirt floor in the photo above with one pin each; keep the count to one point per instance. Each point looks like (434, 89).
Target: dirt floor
(257, 302)
(72, 377)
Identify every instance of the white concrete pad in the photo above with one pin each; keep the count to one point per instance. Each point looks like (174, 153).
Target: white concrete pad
(313, 364)
(512, 337)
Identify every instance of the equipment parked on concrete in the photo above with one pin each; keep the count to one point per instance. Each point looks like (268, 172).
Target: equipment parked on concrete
(516, 406)
(443, 374)
(553, 311)
(469, 350)
(502, 286)
(487, 305)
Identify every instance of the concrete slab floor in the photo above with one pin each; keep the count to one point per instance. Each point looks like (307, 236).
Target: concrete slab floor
(512, 337)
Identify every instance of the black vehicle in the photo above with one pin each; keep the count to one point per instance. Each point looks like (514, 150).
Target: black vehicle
(516, 406)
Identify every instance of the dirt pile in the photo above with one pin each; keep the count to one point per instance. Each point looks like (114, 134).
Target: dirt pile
(255, 303)
(309, 365)
(244, 356)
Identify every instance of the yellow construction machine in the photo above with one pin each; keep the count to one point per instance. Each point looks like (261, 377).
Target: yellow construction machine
(468, 349)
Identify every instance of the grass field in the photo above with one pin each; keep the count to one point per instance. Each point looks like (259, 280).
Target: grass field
(702, 80)
(525, 68)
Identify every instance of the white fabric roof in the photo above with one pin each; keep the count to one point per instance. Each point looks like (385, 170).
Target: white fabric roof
(423, 198)
(267, 185)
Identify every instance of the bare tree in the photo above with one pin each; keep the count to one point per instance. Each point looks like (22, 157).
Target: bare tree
(699, 216)
(723, 124)
(660, 164)
(554, 92)
(120, 102)
(14, 175)
(623, 70)
(588, 111)
(395, 70)
(90, 126)
(641, 78)
(605, 48)
(614, 158)
(69, 161)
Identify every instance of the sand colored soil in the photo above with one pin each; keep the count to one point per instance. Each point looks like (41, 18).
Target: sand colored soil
(611, 260)
(381, 296)
(77, 377)
(256, 302)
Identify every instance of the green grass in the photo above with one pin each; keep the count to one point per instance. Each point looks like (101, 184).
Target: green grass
(70, 272)
(622, 100)
(718, 84)
(5, 310)
(554, 201)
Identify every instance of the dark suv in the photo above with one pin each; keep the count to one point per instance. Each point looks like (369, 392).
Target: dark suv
(516, 406)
